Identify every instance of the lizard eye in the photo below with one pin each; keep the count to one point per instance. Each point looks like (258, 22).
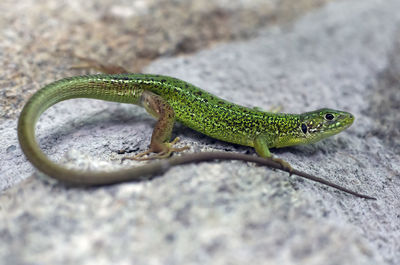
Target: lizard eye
(304, 128)
(329, 116)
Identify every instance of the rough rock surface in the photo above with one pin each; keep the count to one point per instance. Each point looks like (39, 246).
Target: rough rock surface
(343, 56)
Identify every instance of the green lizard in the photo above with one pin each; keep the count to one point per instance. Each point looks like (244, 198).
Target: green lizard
(169, 100)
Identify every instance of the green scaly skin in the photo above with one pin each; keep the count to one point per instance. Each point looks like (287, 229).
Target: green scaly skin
(194, 108)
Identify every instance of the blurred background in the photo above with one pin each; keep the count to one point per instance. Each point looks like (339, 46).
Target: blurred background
(41, 38)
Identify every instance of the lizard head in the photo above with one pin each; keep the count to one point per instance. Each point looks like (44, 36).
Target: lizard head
(322, 123)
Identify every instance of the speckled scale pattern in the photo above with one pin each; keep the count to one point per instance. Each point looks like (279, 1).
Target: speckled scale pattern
(207, 113)
(195, 108)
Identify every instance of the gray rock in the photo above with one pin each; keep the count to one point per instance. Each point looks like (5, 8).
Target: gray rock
(229, 212)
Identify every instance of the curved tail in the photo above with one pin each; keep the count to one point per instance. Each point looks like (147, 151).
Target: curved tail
(94, 86)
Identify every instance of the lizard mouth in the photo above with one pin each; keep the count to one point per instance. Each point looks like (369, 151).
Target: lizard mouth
(345, 120)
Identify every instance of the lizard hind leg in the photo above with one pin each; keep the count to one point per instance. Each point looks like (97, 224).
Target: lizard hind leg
(160, 145)
(155, 105)
(167, 150)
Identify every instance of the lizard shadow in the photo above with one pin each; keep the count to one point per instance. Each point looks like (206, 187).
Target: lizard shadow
(309, 150)
(133, 126)
(113, 117)
(204, 140)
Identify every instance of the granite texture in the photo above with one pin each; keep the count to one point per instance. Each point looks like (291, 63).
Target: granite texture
(344, 56)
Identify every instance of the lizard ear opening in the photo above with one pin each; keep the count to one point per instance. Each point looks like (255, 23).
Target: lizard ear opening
(304, 128)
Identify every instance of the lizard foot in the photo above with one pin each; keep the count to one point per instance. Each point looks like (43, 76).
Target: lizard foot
(285, 165)
(166, 152)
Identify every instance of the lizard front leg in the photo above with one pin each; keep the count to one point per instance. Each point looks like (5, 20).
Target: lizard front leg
(162, 110)
(262, 149)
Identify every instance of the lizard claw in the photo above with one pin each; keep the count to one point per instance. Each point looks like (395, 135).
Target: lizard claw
(285, 165)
